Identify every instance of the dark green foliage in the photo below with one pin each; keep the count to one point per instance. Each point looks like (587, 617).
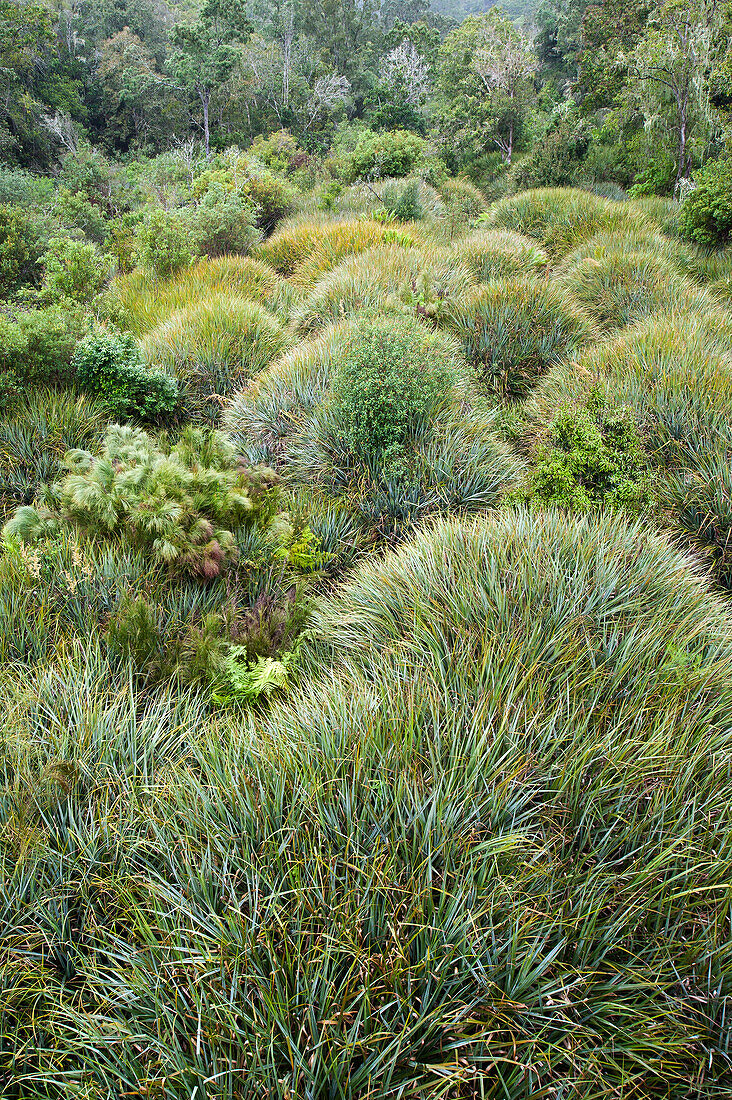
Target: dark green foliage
(706, 212)
(273, 198)
(110, 366)
(164, 243)
(387, 384)
(20, 249)
(222, 224)
(593, 455)
(378, 156)
(36, 345)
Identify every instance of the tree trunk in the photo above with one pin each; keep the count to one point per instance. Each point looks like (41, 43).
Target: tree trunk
(205, 95)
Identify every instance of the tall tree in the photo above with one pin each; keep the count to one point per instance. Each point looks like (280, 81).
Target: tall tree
(671, 65)
(205, 52)
(486, 80)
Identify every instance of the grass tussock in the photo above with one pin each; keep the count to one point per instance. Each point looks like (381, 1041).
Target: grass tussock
(513, 330)
(307, 248)
(388, 278)
(674, 372)
(489, 795)
(139, 303)
(560, 218)
(499, 254)
(215, 345)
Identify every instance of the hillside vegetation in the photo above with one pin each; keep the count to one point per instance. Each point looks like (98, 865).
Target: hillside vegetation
(366, 693)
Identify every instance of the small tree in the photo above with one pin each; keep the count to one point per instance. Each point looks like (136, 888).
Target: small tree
(671, 69)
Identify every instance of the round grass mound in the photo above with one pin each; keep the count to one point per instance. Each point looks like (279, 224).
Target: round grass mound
(492, 823)
(139, 302)
(513, 330)
(214, 346)
(559, 218)
(673, 372)
(388, 278)
(618, 286)
(499, 254)
(306, 248)
(377, 412)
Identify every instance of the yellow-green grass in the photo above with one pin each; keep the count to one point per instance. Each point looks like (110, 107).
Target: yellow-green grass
(215, 345)
(295, 242)
(560, 218)
(499, 254)
(140, 303)
(385, 278)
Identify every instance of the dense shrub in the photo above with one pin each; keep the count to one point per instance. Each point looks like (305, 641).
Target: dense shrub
(392, 153)
(164, 243)
(36, 345)
(592, 455)
(561, 218)
(110, 366)
(499, 254)
(181, 505)
(73, 271)
(706, 212)
(213, 346)
(222, 223)
(391, 380)
(21, 246)
(273, 198)
(513, 330)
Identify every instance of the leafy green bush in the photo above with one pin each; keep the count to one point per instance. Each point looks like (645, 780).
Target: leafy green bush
(73, 271)
(391, 378)
(393, 153)
(274, 199)
(181, 505)
(36, 345)
(164, 243)
(402, 203)
(706, 212)
(221, 224)
(20, 249)
(592, 455)
(513, 330)
(110, 366)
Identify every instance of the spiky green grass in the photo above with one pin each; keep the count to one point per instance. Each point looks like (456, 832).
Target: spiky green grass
(513, 330)
(387, 278)
(35, 435)
(499, 254)
(560, 218)
(140, 303)
(214, 346)
(673, 371)
(481, 854)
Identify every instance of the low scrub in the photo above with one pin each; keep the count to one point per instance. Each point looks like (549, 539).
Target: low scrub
(513, 330)
(181, 505)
